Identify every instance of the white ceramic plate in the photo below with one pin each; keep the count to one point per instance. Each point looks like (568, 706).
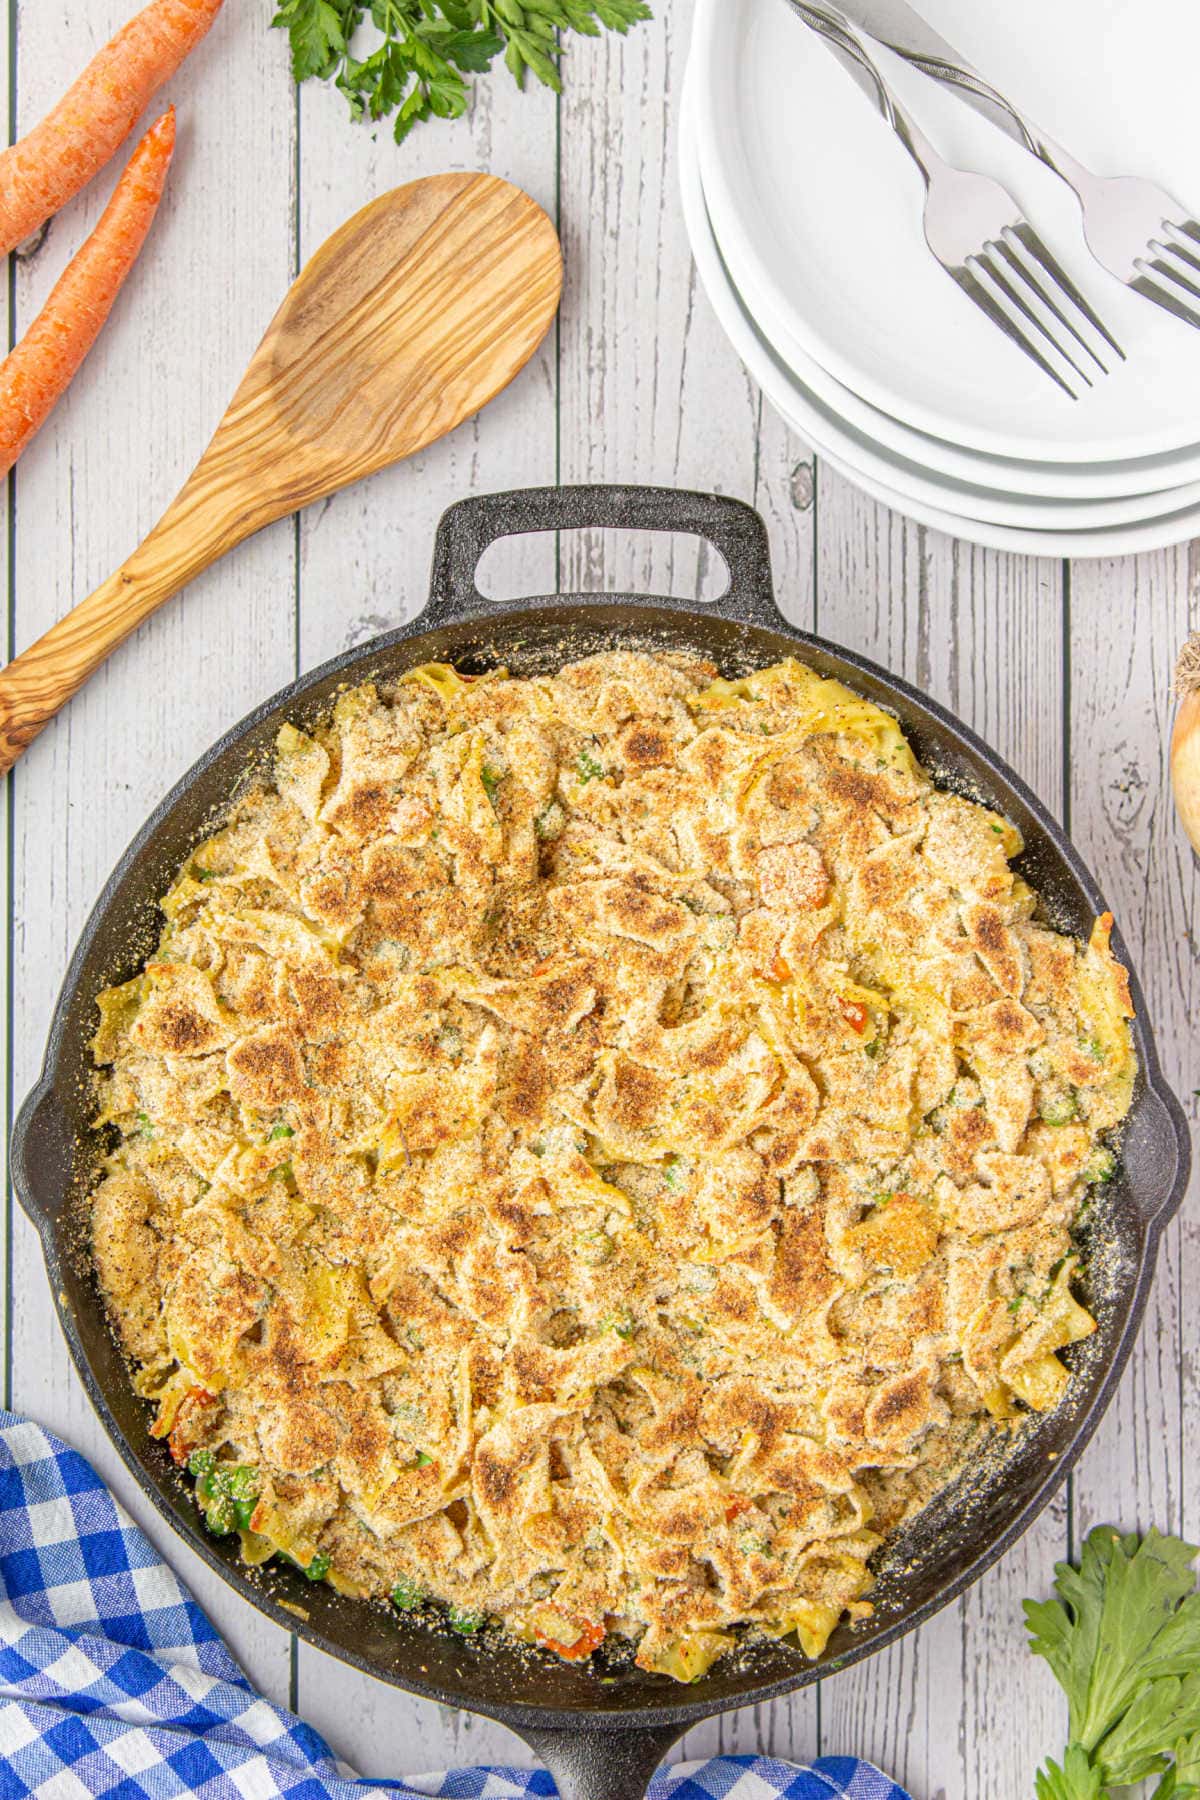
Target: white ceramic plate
(1042, 527)
(1127, 540)
(1000, 475)
(819, 209)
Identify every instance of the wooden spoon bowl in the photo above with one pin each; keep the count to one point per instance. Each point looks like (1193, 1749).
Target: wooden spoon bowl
(404, 323)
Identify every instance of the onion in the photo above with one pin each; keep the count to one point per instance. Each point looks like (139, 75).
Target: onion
(1185, 740)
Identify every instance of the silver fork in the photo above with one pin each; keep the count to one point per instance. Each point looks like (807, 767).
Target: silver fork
(978, 233)
(1134, 229)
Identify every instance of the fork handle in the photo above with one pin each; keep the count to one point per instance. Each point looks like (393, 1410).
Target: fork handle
(859, 64)
(897, 25)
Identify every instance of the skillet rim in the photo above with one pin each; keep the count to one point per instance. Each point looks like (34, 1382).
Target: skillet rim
(686, 618)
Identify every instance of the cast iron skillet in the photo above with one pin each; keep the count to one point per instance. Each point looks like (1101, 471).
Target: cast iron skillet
(602, 1732)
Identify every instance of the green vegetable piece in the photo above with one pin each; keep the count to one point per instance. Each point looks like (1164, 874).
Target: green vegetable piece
(281, 1172)
(423, 1459)
(465, 1622)
(279, 1131)
(316, 1570)
(407, 1594)
(674, 1173)
(491, 779)
(220, 1514)
(241, 1481)
(145, 1125)
(874, 1048)
(1123, 1639)
(622, 1324)
(588, 768)
(228, 1492)
(1060, 1109)
(1102, 1167)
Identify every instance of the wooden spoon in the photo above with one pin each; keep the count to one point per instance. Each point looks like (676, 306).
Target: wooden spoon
(405, 322)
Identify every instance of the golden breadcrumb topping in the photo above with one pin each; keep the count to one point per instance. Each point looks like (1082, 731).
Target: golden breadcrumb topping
(593, 1150)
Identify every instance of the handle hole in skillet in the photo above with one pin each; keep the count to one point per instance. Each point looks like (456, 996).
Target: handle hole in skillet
(592, 561)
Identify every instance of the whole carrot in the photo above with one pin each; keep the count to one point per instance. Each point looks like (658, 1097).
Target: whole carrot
(35, 373)
(45, 168)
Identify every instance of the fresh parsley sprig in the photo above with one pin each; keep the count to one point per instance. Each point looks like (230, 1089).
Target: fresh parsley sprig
(428, 48)
(1123, 1639)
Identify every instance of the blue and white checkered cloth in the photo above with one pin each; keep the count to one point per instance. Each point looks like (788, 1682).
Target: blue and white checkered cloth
(113, 1682)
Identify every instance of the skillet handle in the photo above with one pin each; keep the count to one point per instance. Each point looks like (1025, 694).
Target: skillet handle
(41, 1142)
(602, 1763)
(1156, 1151)
(730, 526)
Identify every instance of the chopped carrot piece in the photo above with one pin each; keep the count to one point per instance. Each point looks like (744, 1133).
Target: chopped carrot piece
(735, 1508)
(780, 970)
(34, 375)
(184, 1433)
(854, 1013)
(589, 1639)
(84, 131)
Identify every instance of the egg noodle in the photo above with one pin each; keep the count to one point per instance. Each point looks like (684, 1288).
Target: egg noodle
(596, 1151)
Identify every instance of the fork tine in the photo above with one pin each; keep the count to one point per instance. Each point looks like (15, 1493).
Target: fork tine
(975, 290)
(1030, 279)
(1142, 284)
(1157, 263)
(988, 264)
(1026, 235)
(1185, 252)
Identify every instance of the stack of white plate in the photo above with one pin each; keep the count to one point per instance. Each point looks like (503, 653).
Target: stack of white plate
(804, 214)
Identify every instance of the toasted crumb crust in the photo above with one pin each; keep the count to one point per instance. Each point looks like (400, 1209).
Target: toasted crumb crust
(595, 1150)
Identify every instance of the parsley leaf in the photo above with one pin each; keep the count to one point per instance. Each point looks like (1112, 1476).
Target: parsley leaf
(426, 48)
(1123, 1640)
(317, 30)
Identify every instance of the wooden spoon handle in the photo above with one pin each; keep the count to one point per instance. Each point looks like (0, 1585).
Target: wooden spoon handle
(44, 677)
(196, 528)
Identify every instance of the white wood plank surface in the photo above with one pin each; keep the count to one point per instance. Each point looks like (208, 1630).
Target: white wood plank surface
(1123, 822)
(1065, 671)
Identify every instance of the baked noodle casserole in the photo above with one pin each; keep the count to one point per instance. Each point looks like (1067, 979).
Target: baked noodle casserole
(597, 1151)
